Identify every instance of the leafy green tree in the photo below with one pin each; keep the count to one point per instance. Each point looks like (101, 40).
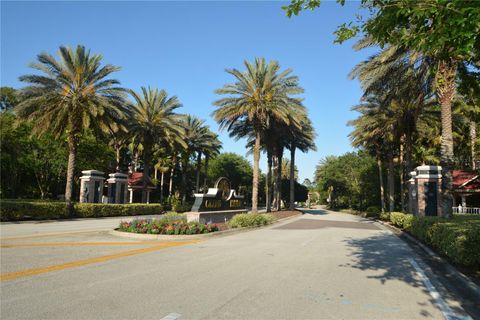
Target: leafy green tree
(72, 95)
(259, 95)
(153, 120)
(446, 31)
(234, 167)
(350, 179)
(8, 98)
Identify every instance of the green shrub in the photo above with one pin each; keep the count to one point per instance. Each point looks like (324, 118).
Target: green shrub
(166, 226)
(87, 210)
(385, 216)
(250, 220)
(402, 220)
(14, 210)
(372, 212)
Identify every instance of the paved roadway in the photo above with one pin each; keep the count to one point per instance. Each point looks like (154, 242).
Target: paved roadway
(322, 265)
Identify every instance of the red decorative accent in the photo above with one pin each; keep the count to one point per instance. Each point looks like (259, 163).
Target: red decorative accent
(465, 180)
(136, 179)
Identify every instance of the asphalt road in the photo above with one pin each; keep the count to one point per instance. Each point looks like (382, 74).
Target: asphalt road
(322, 265)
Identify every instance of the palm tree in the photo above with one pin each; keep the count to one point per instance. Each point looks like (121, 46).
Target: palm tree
(259, 94)
(154, 121)
(302, 139)
(72, 95)
(403, 80)
(210, 146)
(371, 131)
(195, 131)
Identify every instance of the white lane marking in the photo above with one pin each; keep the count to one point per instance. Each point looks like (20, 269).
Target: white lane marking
(448, 314)
(304, 243)
(171, 316)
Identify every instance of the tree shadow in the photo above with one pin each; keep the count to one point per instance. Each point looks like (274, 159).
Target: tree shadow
(389, 259)
(313, 211)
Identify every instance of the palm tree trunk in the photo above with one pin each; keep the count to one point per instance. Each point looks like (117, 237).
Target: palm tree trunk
(161, 186)
(380, 178)
(147, 159)
(408, 167)
(473, 141)
(278, 203)
(445, 80)
(172, 173)
(256, 173)
(268, 183)
(184, 179)
(72, 157)
(118, 150)
(199, 163)
(206, 173)
(391, 183)
(292, 176)
(402, 173)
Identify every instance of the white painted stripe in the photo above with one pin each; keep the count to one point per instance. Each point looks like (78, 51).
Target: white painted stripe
(171, 316)
(448, 314)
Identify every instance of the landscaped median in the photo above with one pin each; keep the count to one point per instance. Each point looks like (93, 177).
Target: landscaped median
(173, 226)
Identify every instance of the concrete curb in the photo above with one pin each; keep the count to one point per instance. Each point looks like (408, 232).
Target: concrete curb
(461, 277)
(165, 237)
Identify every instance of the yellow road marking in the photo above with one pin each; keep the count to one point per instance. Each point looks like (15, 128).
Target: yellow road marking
(79, 244)
(78, 263)
(51, 234)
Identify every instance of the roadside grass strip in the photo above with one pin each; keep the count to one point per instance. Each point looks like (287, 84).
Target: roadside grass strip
(84, 262)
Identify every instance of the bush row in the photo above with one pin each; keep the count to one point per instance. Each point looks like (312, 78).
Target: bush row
(457, 238)
(36, 210)
(166, 226)
(250, 220)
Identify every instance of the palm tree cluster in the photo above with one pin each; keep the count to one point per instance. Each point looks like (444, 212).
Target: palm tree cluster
(262, 106)
(75, 93)
(401, 121)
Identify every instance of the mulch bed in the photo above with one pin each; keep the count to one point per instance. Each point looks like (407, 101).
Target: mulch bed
(285, 213)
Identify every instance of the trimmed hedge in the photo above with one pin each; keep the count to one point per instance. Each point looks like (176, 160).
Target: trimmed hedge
(15, 210)
(457, 238)
(401, 220)
(250, 220)
(87, 210)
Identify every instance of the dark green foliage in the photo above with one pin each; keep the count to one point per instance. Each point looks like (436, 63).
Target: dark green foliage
(373, 212)
(301, 192)
(87, 210)
(166, 226)
(15, 210)
(457, 238)
(251, 220)
(350, 179)
(232, 166)
(8, 98)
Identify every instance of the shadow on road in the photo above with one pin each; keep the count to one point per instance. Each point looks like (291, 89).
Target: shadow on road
(314, 211)
(383, 254)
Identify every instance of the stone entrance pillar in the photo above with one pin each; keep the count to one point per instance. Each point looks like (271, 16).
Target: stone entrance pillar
(428, 183)
(91, 186)
(117, 187)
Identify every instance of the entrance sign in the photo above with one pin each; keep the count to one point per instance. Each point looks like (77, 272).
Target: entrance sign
(219, 204)
(221, 197)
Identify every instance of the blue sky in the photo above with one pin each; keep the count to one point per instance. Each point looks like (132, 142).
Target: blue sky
(184, 47)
